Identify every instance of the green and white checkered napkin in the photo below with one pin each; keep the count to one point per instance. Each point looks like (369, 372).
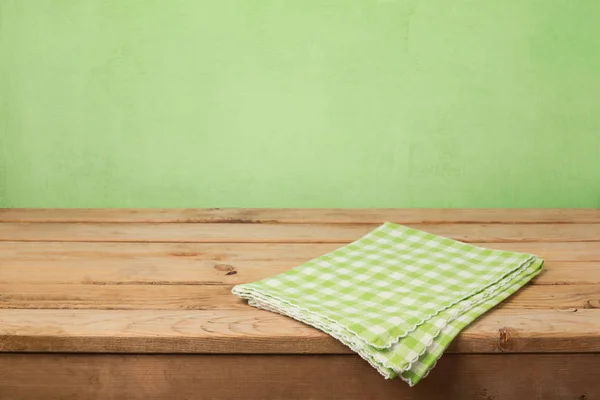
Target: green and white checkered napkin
(397, 296)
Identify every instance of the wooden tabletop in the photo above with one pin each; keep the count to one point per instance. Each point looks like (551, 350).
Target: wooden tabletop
(159, 281)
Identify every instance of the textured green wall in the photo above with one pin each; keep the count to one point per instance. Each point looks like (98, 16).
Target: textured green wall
(390, 103)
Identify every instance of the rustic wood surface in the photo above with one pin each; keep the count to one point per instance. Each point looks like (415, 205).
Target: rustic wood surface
(159, 281)
(294, 377)
(80, 275)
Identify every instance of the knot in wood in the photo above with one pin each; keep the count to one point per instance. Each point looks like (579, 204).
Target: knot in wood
(503, 339)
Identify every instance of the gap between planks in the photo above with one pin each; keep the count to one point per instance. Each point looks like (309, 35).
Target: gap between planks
(288, 233)
(305, 215)
(261, 332)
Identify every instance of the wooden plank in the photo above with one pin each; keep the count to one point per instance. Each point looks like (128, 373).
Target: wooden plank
(304, 216)
(259, 332)
(194, 264)
(119, 297)
(207, 272)
(219, 297)
(569, 273)
(104, 252)
(554, 297)
(156, 331)
(287, 233)
(162, 377)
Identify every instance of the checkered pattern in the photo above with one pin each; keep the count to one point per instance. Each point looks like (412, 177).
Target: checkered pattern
(397, 296)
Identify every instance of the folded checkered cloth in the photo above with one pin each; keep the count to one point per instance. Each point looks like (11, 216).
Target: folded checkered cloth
(397, 296)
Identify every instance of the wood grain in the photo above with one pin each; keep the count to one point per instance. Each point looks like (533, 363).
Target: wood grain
(119, 297)
(219, 297)
(209, 264)
(305, 216)
(286, 233)
(275, 377)
(259, 332)
(34, 251)
(555, 297)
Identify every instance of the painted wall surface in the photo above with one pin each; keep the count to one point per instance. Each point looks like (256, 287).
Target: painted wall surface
(300, 103)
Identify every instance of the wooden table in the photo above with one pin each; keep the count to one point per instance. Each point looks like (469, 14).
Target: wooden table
(136, 304)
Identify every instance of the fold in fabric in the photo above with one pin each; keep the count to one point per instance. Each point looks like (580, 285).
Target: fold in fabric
(397, 296)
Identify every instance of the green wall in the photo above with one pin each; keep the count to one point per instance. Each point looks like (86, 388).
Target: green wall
(300, 103)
